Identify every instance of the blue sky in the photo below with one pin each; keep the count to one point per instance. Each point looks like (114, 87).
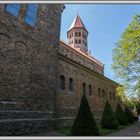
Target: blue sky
(105, 24)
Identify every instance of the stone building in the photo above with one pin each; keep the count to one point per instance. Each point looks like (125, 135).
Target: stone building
(42, 78)
(80, 73)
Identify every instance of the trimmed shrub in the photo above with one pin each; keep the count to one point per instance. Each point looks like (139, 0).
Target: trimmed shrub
(84, 124)
(121, 116)
(109, 119)
(130, 115)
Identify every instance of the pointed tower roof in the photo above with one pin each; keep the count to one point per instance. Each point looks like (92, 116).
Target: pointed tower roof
(77, 23)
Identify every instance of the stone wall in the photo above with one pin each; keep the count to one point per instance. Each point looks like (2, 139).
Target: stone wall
(83, 58)
(28, 70)
(28, 58)
(67, 102)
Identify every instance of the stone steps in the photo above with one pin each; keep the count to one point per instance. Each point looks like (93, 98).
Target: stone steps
(12, 114)
(14, 123)
(19, 127)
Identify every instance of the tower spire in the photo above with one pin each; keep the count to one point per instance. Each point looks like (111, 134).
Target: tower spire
(77, 34)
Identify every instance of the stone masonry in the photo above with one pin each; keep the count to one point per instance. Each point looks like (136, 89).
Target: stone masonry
(28, 65)
(32, 60)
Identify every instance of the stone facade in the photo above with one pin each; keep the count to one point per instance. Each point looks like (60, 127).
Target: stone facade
(29, 60)
(67, 102)
(87, 74)
(32, 60)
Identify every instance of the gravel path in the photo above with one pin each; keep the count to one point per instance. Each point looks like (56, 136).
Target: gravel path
(133, 130)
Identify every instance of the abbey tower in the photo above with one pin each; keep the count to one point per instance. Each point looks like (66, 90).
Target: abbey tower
(77, 35)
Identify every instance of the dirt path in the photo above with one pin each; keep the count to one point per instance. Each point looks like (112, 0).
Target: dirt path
(133, 130)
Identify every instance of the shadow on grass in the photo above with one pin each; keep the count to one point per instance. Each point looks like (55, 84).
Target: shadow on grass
(103, 131)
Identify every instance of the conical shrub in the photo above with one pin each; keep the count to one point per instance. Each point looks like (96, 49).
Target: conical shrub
(121, 116)
(109, 119)
(84, 124)
(130, 115)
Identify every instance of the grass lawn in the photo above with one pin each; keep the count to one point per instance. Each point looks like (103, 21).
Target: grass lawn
(103, 131)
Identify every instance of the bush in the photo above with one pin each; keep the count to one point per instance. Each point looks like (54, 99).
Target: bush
(84, 124)
(130, 115)
(109, 119)
(121, 116)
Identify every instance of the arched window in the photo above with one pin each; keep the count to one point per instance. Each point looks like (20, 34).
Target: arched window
(62, 82)
(71, 85)
(75, 41)
(84, 88)
(84, 36)
(90, 90)
(75, 33)
(110, 95)
(99, 90)
(113, 96)
(79, 41)
(103, 93)
(13, 9)
(31, 14)
(79, 34)
(85, 43)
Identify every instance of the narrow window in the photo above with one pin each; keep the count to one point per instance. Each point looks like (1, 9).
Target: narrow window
(71, 85)
(79, 34)
(75, 33)
(84, 36)
(31, 14)
(62, 82)
(84, 88)
(90, 90)
(103, 93)
(110, 95)
(13, 9)
(99, 90)
(85, 43)
(75, 41)
(79, 41)
(113, 96)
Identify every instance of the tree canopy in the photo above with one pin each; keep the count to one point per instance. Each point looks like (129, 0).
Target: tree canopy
(126, 57)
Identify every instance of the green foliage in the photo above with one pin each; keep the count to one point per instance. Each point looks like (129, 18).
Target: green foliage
(109, 119)
(121, 93)
(84, 124)
(126, 57)
(130, 115)
(121, 116)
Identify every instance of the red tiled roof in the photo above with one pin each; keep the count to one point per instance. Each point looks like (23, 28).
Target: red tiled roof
(77, 23)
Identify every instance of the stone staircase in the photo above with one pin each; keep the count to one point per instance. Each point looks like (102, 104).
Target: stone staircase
(18, 123)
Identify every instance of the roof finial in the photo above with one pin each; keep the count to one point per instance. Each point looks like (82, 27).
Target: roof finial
(77, 13)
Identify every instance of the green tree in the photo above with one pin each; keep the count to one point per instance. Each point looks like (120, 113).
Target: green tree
(109, 119)
(130, 115)
(121, 93)
(121, 116)
(84, 124)
(126, 57)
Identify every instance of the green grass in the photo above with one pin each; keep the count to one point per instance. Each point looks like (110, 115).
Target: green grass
(103, 131)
